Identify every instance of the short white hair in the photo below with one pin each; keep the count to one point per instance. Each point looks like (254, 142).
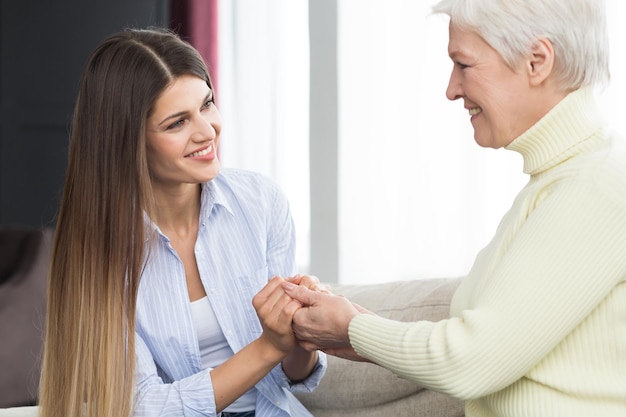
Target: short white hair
(576, 29)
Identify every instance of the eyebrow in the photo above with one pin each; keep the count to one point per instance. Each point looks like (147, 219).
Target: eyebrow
(183, 113)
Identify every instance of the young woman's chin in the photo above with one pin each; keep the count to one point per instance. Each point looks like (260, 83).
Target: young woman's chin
(213, 171)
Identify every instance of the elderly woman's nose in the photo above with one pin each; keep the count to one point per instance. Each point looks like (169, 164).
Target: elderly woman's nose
(454, 90)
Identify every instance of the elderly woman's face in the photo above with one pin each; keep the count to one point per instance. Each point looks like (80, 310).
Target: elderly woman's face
(495, 95)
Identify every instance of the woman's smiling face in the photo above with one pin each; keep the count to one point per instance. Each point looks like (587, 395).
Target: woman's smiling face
(496, 96)
(183, 133)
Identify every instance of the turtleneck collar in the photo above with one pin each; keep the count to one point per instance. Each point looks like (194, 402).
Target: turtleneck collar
(557, 135)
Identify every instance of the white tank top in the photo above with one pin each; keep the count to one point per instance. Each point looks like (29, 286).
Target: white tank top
(214, 349)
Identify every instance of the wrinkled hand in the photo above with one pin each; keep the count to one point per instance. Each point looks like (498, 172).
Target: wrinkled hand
(322, 322)
(276, 310)
(349, 352)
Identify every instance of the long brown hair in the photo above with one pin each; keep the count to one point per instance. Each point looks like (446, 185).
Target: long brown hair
(100, 241)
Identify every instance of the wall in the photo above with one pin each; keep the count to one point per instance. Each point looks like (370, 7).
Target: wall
(43, 47)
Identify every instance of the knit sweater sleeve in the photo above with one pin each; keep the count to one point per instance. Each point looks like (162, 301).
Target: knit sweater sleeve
(556, 260)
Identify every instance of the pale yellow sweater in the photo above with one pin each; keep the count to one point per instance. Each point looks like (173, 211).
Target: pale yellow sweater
(538, 327)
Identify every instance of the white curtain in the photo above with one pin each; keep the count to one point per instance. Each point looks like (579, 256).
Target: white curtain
(417, 196)
(263, 98)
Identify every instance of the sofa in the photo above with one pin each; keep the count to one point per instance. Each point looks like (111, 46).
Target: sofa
(349, 389)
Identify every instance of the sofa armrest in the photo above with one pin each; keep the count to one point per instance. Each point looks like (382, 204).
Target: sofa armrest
(29, 411)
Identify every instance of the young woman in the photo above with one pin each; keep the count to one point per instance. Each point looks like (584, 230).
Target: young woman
(159, 254)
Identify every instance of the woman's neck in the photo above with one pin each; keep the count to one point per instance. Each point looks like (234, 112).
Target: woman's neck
(178, 209)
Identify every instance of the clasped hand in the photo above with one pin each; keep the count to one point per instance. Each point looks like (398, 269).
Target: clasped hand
(317, 319)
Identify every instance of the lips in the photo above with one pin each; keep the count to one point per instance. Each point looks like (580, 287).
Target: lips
(201, 152)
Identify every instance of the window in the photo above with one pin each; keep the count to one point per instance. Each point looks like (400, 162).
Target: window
(417, 198)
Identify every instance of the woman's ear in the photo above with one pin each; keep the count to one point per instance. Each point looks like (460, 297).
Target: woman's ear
(540, 62)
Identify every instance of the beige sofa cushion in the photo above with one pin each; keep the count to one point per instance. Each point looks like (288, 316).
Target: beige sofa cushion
(364, 389)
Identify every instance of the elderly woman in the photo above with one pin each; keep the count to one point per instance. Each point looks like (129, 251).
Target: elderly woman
(538, 327)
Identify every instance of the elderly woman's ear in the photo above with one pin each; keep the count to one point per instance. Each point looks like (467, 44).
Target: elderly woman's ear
(540, 62)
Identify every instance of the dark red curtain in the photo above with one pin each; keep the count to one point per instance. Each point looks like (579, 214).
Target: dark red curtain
(196, 21)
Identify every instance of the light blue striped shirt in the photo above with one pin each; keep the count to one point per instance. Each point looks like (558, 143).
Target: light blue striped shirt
(245, 236)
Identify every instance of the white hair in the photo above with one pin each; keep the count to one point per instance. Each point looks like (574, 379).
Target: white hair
(576, 29)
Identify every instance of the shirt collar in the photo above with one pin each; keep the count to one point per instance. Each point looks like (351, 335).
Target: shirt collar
(213, 195)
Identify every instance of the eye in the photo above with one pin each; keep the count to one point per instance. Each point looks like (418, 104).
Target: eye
(210, 99)
(208, 103)
(460, 65)
(176, 124)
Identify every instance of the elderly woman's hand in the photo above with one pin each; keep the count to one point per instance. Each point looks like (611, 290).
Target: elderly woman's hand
(323, 320)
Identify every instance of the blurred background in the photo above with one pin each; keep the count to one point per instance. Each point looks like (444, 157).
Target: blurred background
(342, 102)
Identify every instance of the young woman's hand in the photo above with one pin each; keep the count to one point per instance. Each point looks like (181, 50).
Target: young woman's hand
(309, 281)
(275, 310)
